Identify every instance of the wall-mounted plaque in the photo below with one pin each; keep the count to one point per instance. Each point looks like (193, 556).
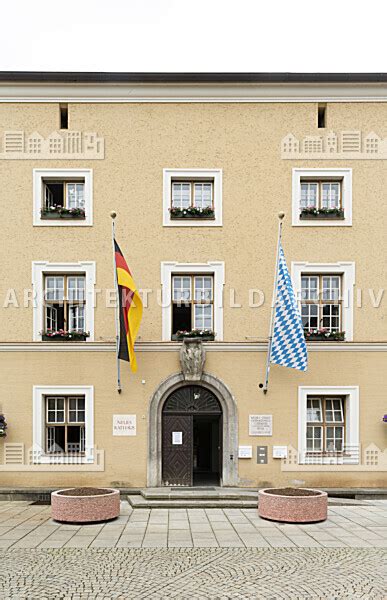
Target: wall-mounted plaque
(261, 425)
(245, 452)
(124, 425)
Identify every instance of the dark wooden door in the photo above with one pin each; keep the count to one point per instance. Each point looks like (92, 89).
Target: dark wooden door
(177, 457)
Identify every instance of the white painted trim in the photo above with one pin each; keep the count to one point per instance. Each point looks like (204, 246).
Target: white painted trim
(215, 268)
(215, 174)
(352, 415)
(161, 93)
(347, 270)
(41, 268)
(39, 174)
(38, 420)
(175, 347)
(345, 173)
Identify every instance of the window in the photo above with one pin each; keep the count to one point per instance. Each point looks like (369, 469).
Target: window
(192, 197)
(321, 116)
(328, 425)
(62, 197)
(320, 194)
(65, 424)
(325, 428)
(322, 197)
(192, 298)
(321, 302)
(64, 116)
(64, 307)
(192, 303)
(325, 293)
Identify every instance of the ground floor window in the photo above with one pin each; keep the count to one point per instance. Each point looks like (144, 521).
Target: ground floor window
(65, 424)
(325, 430)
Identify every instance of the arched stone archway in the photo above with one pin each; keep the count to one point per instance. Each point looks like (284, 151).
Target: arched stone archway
(230, 427)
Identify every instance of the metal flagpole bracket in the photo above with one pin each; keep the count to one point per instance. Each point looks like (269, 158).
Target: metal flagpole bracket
(264, 386)
(113, 215)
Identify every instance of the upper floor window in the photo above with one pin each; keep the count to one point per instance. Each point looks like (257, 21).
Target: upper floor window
(321, 301)
(192, 200)
(192, 305)
(192, 197)
(62, 197)
(65, 424)
(325, 424)
(322, 197)
(64, 307)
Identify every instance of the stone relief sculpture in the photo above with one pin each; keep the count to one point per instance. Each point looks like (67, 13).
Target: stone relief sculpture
(192, 359)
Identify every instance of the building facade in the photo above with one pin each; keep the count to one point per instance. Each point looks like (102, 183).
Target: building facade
(197, 168)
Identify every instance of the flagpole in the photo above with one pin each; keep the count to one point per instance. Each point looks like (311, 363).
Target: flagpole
(117, 317)
(273, 305)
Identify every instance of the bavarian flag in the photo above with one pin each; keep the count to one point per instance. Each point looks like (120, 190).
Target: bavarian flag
(130, 309)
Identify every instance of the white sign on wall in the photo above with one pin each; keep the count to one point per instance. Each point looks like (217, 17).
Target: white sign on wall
(261, 425)
(124, 425)
(245, 452)
(177, 438)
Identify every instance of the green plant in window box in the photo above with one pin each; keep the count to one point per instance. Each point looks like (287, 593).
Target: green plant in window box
(323, 334)
(192, 212)
(61, 335)
(61, 212)
(204, 334)
(3, 426)
(311, 212)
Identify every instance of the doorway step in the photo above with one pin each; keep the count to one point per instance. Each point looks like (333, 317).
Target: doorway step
(194, 497)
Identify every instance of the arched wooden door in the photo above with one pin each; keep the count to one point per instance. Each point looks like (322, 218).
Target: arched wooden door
(191, 432)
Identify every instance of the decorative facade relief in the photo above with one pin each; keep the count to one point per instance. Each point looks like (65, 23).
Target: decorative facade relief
(58, 145)
(192, 359)
(346, 145)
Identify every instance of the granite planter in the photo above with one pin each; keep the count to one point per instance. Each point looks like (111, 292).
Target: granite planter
(100, 504)
(293, 508)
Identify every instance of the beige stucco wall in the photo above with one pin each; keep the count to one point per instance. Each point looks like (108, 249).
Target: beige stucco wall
(243, 140)
(126, 457)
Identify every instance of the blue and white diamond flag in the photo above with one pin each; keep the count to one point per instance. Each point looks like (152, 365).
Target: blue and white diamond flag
(288, 346)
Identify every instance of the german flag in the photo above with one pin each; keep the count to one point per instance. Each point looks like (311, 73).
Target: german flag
(130, 309)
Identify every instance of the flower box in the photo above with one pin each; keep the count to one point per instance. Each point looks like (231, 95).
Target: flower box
(65, 337)
(324, 336)
(384, 419)
(54, 215)
(192, 216)
(192, 213)
(202, 334)
(334, 213)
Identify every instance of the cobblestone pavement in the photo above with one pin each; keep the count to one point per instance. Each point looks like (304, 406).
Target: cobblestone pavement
(193, 553)
(200, 573)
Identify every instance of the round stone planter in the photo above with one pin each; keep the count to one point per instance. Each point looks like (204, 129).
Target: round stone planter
(292, 508)
(69, 508)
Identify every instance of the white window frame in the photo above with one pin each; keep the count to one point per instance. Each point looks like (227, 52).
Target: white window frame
(189, 174)
(346, 195)
(39, 422)
(65, 174)
(168, 269)
(352, 408)
(42, 268)
(347, 271)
